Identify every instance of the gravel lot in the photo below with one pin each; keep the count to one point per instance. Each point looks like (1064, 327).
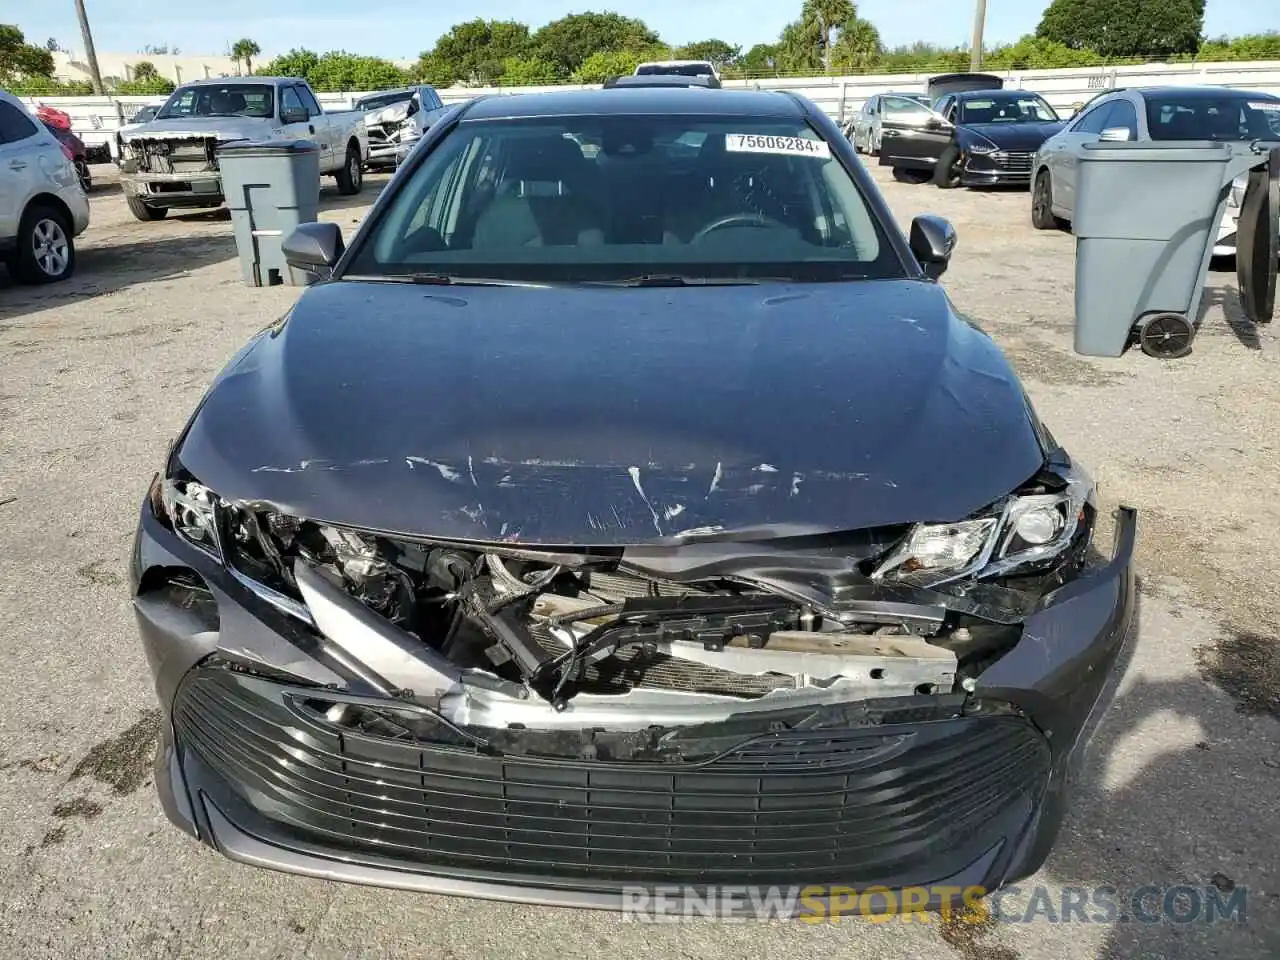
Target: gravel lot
(1182, 785)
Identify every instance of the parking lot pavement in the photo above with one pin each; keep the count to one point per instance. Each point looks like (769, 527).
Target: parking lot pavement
(1181, 787)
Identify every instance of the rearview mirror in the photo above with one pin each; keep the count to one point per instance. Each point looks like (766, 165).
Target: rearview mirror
(294, 115)
(1115, 134)
(314, 247)
(932, 240)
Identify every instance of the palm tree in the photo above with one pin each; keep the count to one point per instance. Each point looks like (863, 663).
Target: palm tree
(244, 51)
(827, 15)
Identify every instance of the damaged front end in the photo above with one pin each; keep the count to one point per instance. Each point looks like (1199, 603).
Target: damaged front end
(178, 170)
(897, 705)
(393, 132)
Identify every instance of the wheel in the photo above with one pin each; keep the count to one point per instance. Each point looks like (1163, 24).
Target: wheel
(351, 177)
(873, 148)
(946, 174)
(1165, 336)
(903, 175)
(1042, 217)
(86, 179)
(46, 251)
(144, 211)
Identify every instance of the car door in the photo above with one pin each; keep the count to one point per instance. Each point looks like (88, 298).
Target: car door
(1066, 148)
(331, 153)
(305, 127)
(864, 124)
(20, 168)
(912, 136)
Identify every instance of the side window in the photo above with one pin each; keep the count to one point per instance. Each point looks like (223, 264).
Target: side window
(1122, 114)
(872, 107)
(1094, 121)
(948, 109)
(309, 101)
(434, 97)
(15, 125)
(289, 100)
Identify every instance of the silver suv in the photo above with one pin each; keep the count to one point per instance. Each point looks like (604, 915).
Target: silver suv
(42, 206)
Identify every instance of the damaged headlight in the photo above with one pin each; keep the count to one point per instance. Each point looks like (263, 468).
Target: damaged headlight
(1026, 531)
(190, 509)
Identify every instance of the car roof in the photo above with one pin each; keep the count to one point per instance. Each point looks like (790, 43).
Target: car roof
(638, 101)
(218, 81)
(1197, 92)
(659, 80)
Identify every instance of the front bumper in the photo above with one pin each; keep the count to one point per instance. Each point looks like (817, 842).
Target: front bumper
(195, 189)
(385, 153)
(996, 169)
(251, 764)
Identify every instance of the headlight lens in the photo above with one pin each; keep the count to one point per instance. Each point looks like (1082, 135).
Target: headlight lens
(1026, 531)
(190, 509)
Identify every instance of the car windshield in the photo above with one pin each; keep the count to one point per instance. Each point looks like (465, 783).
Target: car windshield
(383, 100)
(219, 100)
(1227, 116)
(629, 198)
(1015, 108)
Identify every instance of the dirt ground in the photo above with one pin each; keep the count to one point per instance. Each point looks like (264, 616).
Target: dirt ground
(96, 375)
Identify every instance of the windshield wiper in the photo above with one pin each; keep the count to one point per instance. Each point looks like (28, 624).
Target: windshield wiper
(676, 280)
(441, 280)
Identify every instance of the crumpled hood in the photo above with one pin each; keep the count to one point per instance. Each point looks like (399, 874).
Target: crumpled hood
(223, 128)
(392, 113)
(586, 415)
(1015, 136)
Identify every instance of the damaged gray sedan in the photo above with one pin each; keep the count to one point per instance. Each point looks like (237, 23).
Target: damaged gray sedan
(628, 506)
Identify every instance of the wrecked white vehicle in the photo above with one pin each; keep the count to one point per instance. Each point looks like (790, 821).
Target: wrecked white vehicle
(171, 162)
(396, 121)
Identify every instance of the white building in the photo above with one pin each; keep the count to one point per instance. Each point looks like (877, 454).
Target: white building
(177, 67)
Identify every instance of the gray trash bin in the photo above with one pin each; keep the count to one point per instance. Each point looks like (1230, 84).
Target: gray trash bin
(1145, 214)
(271, 187)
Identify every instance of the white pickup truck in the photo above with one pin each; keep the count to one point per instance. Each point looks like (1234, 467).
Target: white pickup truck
(172, 160)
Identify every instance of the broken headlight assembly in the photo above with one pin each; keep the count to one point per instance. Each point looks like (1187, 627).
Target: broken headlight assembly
(1024, 533)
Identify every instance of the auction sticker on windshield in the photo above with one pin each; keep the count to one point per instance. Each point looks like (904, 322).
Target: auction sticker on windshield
(759, 143)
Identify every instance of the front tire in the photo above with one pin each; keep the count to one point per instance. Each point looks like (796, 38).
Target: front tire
(903, 175)
(1042, 217)
(946, 175)
(143, 211)
(351, 176)
(46, 251)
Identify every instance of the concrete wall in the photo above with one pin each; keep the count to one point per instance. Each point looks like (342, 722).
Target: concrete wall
(96, 118)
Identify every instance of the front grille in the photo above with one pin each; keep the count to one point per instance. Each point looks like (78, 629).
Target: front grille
(1012, 162)
(825, 806)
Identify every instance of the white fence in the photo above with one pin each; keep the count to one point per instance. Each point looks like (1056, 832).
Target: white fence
(95, 119)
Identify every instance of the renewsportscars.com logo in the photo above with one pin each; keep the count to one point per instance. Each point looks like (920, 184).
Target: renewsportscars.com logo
(1150, 904)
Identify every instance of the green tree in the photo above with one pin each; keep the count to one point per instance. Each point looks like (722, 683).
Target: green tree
(1037, 53)
(717, 52)
(1125, 28)
(823, 17)
(145, 70)
(150, 85)
(19, 59)
(760, 61)
(295, 63)
(920, 57)
(474, 52)
(1257, 46)
(569, 41)
(857, 48)
(528, 72)
(243, 51)
(339, 70)
(603, 64)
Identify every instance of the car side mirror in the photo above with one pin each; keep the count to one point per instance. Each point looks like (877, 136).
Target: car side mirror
(1114, 135)
(314, 247)
(933, 123)
(294, 115)
(932, 241)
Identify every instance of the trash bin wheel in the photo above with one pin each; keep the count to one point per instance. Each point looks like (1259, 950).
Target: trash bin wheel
(1165, 336)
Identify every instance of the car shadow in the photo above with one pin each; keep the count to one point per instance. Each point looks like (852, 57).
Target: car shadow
(1195, 816)
(102, 270)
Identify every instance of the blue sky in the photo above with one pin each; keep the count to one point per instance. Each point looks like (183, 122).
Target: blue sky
(403, 28)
